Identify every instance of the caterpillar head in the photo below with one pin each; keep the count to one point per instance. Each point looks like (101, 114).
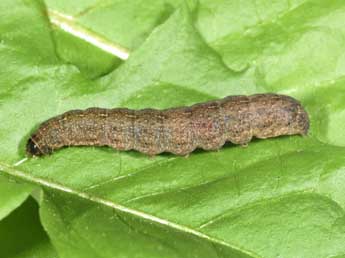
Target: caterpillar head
(33, 148)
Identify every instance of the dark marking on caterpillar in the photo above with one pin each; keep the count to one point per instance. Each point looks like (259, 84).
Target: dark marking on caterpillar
(177, 130)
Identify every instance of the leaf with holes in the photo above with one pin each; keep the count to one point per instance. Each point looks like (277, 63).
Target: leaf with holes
(265, 200)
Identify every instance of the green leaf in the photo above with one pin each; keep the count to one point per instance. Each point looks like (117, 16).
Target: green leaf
(291, 44)
(17, 65)
(281, 197)
(135, 234)
(22, 235)
(294, 47)
(80, 27)
(11, 195)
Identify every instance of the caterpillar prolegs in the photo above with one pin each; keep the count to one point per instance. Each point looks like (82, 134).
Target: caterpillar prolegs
(177, 130)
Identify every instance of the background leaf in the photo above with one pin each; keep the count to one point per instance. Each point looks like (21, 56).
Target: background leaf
(134, 22)
(22, 235)
(11, 195)
(262, 201)
(295, 47)
(18, 67)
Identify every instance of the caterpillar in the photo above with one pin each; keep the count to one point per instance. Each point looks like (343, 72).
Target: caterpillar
(177, 130)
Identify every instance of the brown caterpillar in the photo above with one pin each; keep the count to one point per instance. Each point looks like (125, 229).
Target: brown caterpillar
(178, 130)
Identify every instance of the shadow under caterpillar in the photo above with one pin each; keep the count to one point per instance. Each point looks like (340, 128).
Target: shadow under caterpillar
(177, 130)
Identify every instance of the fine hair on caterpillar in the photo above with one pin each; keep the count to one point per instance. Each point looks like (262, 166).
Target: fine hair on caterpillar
(181, 130)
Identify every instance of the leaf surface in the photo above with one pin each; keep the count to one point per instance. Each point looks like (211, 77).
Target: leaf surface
(80, 28)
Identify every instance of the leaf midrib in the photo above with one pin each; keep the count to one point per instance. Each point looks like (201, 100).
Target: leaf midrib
(69, 25)
(5, 168)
